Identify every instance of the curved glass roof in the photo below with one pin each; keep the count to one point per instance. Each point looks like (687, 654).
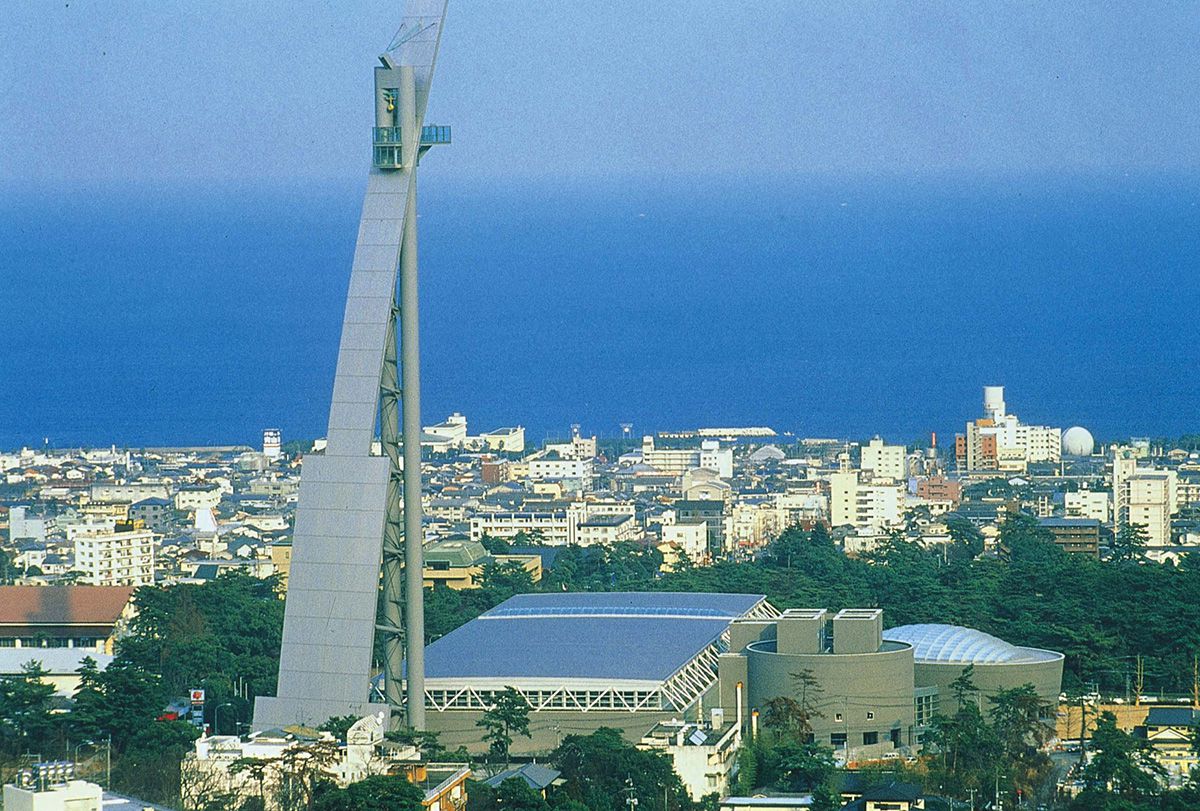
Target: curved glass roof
(933, 642)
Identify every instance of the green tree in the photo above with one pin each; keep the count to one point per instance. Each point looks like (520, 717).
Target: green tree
(376, 793)
(148, 768)
(747, 778)
(8, 570)
(1016, 717)
(26, 702)
(805, 767)
(808, 692)
(965, 537)
(121, 701)
(968, 748)
(514, 794)
(505, 579)
(338, 726)
(782, 716)
(1121, 763)
(595, 769)
(1129, 544)
(508, 716)
(302, 769)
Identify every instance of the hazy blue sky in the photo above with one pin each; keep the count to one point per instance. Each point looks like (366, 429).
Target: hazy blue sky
(168, 90)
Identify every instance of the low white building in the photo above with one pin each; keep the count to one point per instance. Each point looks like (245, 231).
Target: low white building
(452, 431)
(129, 492)
(557, 468)
(207, 771)
(702, 756)
(504, 440)
(606, 530)
(1088, 504)
(556, 527)
(198, 496)
(32, 793)
(676, 461)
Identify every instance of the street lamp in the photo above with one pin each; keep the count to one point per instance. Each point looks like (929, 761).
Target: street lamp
(76, 758)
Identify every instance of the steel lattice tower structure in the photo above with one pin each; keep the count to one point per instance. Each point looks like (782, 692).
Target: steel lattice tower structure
(359, 511)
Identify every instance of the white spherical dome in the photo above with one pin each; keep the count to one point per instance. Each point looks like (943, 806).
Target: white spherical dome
(1078, 442)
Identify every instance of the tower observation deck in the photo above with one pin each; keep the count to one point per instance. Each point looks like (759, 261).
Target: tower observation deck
(358, 518)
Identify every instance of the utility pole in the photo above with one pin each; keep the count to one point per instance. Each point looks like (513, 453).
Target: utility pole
(1141, 682)
(1082, 728)
(630, 800)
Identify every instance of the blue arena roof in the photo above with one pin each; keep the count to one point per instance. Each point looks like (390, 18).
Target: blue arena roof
(642, 636)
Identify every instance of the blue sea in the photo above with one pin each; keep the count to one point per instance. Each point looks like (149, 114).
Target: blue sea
(821, 306)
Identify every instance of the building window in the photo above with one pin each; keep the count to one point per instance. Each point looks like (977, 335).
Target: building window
(870, 715)
(837, 740)
(837, 717)
(895, 736)
(870, 738)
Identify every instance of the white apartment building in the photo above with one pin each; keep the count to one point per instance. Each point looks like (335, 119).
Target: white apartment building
(1039, 443)
(129, 493)
(272, 443)
(854, 503)
(677, 461)
(755, 523)
(556, 527)
(1000, 441)
(578, 448)
(606, 530)
(22, 526)
(691, 536)
(701, 755)
(803, 506)
(555, 468)
(453, 430)
(120, 557)
(504, 440)
(606, 507)
(884, 461)
(1088, 504)
(201, 496)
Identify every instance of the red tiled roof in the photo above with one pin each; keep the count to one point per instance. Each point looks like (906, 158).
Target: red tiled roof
(62, 605)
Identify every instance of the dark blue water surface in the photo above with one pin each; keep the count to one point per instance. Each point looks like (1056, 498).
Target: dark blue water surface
(823, 307)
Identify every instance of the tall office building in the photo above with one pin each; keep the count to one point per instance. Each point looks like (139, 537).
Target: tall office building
(358, 511)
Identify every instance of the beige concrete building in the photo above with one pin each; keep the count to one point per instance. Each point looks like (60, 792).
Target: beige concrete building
(884, 461)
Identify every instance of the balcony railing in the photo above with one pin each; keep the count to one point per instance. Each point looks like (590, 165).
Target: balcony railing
(387, 153)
